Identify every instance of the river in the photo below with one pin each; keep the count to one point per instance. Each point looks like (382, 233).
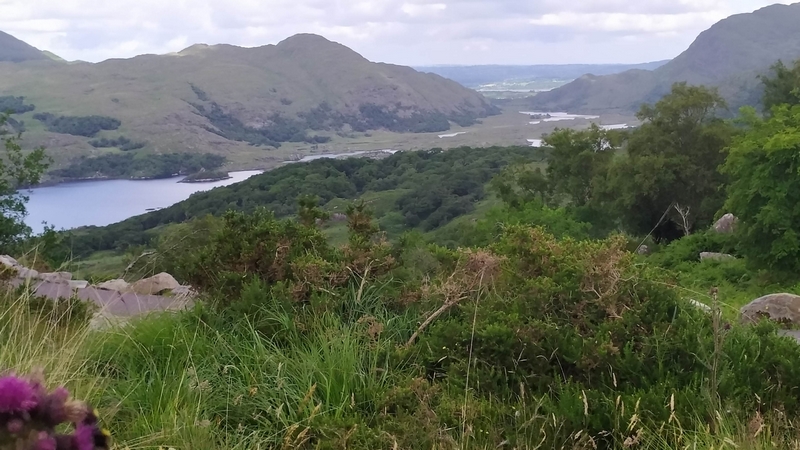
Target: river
(103, 202)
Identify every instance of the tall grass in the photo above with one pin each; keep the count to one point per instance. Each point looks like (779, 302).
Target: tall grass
(198, 380)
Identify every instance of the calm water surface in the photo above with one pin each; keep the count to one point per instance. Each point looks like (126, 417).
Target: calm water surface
(72, 205)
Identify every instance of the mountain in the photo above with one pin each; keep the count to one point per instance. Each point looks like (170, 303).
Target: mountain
(475, 76)
(230, 100)
(730, 55)
(14, 50)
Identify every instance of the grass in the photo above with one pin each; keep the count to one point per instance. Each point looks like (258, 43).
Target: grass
(187, 381)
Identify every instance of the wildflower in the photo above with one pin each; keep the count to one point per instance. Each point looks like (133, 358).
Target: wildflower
(14, 426)
(56, 408)
(16, 395)
(45, 442)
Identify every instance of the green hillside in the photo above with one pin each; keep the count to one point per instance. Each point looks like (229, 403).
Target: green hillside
(241, 103)
(730, 55)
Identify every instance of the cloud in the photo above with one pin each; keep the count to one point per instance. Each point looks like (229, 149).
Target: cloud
(400, 31)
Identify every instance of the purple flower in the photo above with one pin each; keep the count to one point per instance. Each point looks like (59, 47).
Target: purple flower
(16, 395)
(84, 437)
(52, 409)
(45, 442)
(14, 426)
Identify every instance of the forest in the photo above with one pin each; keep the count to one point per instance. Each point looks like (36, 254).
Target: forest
(87, 126)
(121, 142)
(129, 165)
(423, 190)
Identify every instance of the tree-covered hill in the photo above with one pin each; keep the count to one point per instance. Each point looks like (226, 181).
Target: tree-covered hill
(424, 190)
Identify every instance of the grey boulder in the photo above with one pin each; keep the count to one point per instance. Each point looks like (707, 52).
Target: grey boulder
(156, 284)
(783, 308)
(710, 256)
(726, 224)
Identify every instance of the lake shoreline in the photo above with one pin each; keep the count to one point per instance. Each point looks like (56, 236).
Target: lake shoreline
(62, 181)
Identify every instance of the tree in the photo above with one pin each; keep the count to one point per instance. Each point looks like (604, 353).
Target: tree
(764, 192)
(669, 181)
(782, 87)
(577, 160)
(18, 169)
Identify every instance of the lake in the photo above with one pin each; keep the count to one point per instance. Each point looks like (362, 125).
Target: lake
(103, 202)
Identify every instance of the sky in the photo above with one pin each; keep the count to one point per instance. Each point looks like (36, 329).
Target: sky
(409, 32)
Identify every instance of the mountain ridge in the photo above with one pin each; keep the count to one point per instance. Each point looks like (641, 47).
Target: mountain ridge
(233, 100)
(730, 55)
(15, 51)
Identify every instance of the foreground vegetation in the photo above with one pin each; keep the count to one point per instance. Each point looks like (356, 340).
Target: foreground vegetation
(530, 342)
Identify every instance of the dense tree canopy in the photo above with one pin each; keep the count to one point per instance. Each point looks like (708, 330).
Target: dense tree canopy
(87, 126)
(578, 160)
(671, 165)
(782, 86)
(764, 192)
(424, 189)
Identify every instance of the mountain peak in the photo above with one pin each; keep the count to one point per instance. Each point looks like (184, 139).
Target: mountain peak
(304, 39)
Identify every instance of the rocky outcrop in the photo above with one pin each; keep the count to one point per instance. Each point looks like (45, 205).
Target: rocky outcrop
(726, 224)
(115, 298)
(783, 308)
(710, 256)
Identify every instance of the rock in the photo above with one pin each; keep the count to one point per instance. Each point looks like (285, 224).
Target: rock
(56, 277)
(118, 285)
(8, 261)
(643, 250)
(726, 224)
(155, 284)
(715, 256)
(78, 284)
(27, 274)
(700, 305)
(183, 292)
(783, 308)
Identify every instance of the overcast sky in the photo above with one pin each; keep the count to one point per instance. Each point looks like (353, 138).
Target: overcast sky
(411, 32)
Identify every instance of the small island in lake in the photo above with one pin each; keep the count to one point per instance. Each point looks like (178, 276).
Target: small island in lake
(206, 176)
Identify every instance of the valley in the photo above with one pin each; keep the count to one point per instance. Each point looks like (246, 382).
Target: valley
(292, 246)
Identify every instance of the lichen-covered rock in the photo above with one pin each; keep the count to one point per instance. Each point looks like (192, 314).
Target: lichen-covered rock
(78, 284)
(56, 277)
(726, 224)
(782, 308)
(706, 256)
(8, 261)
(119, 285)
(156, 284)
(27, 274)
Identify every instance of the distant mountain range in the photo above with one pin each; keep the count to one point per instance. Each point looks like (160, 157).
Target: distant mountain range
(730, 56)
(223, 99)
(475, 76)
